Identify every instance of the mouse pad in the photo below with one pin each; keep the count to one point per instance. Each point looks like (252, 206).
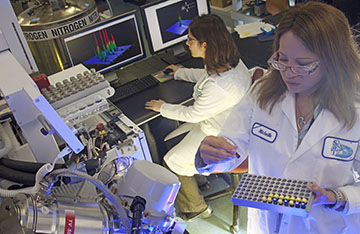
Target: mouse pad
(162, 77)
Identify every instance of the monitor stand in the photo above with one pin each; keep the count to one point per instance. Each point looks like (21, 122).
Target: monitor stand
(179, 50)
(111, 76)
(176, 54)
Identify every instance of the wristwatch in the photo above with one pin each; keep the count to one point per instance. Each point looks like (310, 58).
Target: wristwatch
(340, 199)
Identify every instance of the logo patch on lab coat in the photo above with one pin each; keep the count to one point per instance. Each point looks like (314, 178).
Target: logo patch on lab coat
(264, 132)
(199, 92)
(339, 149)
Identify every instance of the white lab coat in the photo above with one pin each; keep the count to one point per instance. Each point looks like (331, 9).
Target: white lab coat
(214, 96)
(271, 143)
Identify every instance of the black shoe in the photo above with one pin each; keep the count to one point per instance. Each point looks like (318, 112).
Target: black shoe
(205, 187)
(195, 215)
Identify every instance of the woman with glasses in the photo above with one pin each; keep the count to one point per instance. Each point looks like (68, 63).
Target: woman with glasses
(301, 121)
(218, 87)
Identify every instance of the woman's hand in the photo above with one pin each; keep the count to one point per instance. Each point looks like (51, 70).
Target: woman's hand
(322, 196)
(216, 150)
(154, 105)
(174, 68)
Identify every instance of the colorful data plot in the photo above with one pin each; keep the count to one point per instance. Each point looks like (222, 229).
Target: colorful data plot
(179, 27)
(109, 57)
(107, 51)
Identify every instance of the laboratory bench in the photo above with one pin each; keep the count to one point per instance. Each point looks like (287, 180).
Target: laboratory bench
(173, 91)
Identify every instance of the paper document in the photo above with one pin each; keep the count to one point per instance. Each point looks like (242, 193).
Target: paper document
(250, 29)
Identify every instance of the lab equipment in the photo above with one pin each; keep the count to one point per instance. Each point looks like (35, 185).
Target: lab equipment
(167, 21)
(89, 192)
(77, 207)
(104, 202)
(77, 98)
(36, 118)
(46, 23)
(237, 4)
(288, 196)
(12, 37)
(106, 45)
(84, 208)
(259, 8)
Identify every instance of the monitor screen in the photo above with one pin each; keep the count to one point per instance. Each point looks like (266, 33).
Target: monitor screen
(106, 45)
(166, 22)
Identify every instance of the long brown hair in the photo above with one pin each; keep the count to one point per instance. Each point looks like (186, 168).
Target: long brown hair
(325, 31)
(221, 51)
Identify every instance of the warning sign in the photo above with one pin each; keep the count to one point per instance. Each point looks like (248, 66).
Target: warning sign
(62, 30)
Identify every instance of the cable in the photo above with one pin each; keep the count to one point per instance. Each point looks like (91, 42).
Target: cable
(17, 176)
(23, 166)
(31, 190)
(137, 208)
(110, 9)
(40, 174)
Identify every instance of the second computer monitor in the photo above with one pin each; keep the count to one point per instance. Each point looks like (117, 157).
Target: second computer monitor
(167, 21)
(106, 45)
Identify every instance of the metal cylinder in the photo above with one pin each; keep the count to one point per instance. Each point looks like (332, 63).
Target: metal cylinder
(45, 25)
(63, 216)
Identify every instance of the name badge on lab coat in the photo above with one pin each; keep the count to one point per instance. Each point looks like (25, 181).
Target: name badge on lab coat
(339, 149)
(264, 132)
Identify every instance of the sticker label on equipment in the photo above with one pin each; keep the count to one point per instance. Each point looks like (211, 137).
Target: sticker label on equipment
(69, 222)
(73, 26)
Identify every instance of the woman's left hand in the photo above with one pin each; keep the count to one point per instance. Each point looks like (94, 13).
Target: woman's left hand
(322, 196)
(154, 105)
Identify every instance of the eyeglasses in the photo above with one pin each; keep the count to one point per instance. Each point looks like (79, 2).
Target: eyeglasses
(190, 39)
(302, 70)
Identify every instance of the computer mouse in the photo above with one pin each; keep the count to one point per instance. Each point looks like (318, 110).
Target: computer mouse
(167, 71)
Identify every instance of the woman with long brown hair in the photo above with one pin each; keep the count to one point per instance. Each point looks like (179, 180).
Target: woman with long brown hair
(301, 121)
(219, 86)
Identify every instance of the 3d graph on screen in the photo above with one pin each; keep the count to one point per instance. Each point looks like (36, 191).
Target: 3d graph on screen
(180, 26)
(109, 51)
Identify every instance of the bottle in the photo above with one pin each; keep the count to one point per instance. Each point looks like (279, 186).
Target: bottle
(237, 4)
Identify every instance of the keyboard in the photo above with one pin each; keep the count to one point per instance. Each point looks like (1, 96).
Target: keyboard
(133, 87)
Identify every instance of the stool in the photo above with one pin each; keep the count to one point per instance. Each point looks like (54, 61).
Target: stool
(235, 178)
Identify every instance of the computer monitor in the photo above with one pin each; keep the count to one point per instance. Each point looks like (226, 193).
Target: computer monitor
(166, 21)
(107, 45)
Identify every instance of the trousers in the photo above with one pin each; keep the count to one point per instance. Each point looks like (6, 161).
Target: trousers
(189, 198)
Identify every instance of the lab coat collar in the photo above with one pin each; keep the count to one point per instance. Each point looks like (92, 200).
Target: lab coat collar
(323, 124)
(288, 109)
